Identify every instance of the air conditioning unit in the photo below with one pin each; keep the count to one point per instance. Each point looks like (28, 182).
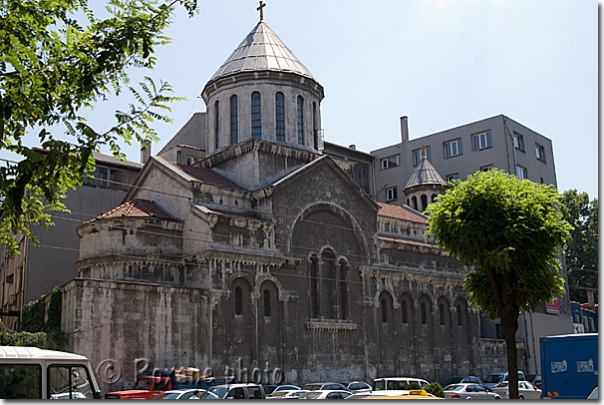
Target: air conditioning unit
(10, 278)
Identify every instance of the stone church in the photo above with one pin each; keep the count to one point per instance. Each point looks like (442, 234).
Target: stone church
(265, 259)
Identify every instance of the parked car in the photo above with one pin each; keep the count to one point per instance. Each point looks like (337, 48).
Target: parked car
(269, 389)
(463, 379)
(412, 395)
(526, 390)
(534, 379)
(179, 394)
(295, 394)
(397, 383)
(469, 391)
(324, 386)
(234, 391)
(357, 386)
(500, 376)
(326, 394)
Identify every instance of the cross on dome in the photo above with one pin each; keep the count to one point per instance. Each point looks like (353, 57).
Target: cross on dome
(259, 8)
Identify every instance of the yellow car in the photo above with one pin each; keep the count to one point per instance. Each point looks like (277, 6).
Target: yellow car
(413, 394)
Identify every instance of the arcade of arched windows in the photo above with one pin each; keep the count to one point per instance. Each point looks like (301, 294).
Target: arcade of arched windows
(423, 311)
(257, 121)
(328, 279)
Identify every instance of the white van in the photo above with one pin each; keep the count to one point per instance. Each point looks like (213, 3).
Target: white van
(32, 373)
(497, 377)
(397, 383)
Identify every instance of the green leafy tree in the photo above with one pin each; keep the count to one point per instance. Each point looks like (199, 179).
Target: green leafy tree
(581, 251)
(510, 232)
(56, 61)
(436, 389)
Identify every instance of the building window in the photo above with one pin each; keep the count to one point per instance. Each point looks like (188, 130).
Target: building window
(280, 117)
(267, 302)
(499, 331)
(100, 177)
(482, 141)
(384, 311)
(390, 162)
(414, 202)
(459, 316)
(216, 125)
(423, 313)
(453, 148)
(238, 301)
(329, 287)
(521, 172)
(417, 155)
(360, 175)
(314, 287)
(256, 116)
(300, 120)
(441, 313)
(234, 125)
(424, 199)
(453, 176)
(315, 129)
(540, 152)
(486, 168)
(404, 310)
(519, 142)
(391, 194)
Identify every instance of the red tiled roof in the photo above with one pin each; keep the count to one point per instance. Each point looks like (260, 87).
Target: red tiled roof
(207, 176)
(395, 211)
(136, 208)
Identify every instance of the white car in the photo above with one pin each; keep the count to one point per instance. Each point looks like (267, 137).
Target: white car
(325, 394)
(526, 390)
(179, 394)
(286, 394)
(468, 391)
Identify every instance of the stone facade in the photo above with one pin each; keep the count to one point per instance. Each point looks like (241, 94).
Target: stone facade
(265, 259)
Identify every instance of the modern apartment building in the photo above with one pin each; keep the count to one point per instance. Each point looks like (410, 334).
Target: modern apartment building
(37, 270)
(497, 142)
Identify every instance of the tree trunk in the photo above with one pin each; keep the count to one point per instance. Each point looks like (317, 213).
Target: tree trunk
(509, 323)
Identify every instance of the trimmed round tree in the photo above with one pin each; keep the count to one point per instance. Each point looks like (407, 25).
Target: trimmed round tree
(510, 232)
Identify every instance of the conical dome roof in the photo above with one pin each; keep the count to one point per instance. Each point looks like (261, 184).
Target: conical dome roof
(424, 174)
(261, 50)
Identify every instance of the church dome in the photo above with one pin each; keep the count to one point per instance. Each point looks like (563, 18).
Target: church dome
(261, 50)
(263, 92)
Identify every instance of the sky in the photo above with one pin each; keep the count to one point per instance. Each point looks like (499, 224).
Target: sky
(441, 63)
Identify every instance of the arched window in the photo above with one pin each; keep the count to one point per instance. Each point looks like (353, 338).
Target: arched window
(314, 287)
(433, 197)
(404, 311)
(384, 310)
(256, 116)
(328, 287)
(238, 301)
(300, 120)
(424, 202)
(267, 302)
(459, 315)
(343, 286)
(423, 313)
(216, 125)
(441, 313)
(280, 117)
(414, 202)
(234, 124)
(315, 129)
(328, 276)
